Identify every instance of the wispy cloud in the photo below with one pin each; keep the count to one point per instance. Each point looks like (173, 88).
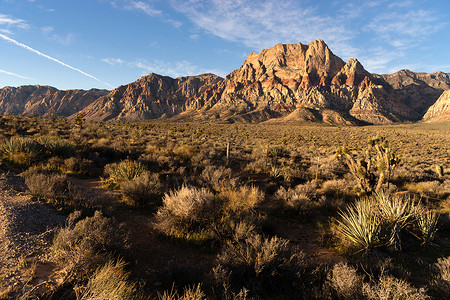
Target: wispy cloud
(172, 69)
(404, 30)
(113, 61)
(143, 6)
(264, 23)
(8, 39)
(13, 22)
(15, 75)
(61, 39)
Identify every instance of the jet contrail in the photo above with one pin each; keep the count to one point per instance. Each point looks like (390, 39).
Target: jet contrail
(14, 74)
(51, 58)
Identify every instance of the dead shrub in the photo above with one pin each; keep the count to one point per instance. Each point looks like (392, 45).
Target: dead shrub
(186, 212)
(301, 199)
(441, 281)
(388, 287)
(142, 190)
(217, 177)
(78, 166)
(345, 281)
(262, 265)
(86, 244)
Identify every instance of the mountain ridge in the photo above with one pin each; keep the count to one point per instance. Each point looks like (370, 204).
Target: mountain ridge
(287, 82)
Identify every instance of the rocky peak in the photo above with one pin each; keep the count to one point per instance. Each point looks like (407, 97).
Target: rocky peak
(352, 74)
(440, 110)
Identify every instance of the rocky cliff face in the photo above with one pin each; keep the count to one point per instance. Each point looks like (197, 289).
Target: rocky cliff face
(420, 90)
(150, 97)
(440, 110)
(45, 100)
(285, 78)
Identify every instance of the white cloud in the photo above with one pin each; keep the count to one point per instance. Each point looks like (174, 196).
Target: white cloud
(28, 48)
(405, 30)
(113, 61)
(263, 23)
(143, 6)
(15, 75)
(13, 22)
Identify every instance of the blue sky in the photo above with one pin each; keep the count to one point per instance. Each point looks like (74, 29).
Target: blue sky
(106, 43)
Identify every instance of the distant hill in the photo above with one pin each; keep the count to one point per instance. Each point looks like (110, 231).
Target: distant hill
(285, 83)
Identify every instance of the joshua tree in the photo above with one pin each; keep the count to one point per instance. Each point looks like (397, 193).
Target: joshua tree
(372, 168)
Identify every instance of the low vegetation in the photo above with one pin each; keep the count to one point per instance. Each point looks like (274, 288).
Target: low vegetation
(238, 211)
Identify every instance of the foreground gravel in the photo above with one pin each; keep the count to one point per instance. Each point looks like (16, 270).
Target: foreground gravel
(26, 227)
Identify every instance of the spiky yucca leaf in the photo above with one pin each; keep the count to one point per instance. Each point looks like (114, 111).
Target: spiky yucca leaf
(427, 222)
(360, 225)
(395, 209)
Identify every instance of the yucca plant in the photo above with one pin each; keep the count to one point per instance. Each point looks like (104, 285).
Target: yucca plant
(396, 212)
(56, 146)
(427, 221)
(21, 151)
(360, 225)
(123, 171)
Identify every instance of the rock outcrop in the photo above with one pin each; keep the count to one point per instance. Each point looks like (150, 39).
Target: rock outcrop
(284, 78)
(46, 100)
(151, 97)
(440, 110)
(420, 90)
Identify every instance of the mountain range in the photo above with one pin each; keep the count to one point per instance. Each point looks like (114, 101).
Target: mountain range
(285, 83)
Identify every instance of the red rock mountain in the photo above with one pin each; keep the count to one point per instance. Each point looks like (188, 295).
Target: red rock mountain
(285, 83)
(440, 110)
(420, 90)
(287, 78)
(150, 97)
(45, 100)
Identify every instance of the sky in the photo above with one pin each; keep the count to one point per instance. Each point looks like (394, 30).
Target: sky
(83, 44)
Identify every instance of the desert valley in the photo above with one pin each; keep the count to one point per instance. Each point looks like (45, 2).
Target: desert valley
(297, 176)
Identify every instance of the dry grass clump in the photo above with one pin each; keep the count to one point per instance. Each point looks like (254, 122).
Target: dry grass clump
(345, 281)
(265, 266)
(109, 282)
(301, 199)
(217, 177)
(434, 188)
(189, 293)
(86, 244)
(186, 212)
(142, 190)
(388, 287)
(441, 281)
